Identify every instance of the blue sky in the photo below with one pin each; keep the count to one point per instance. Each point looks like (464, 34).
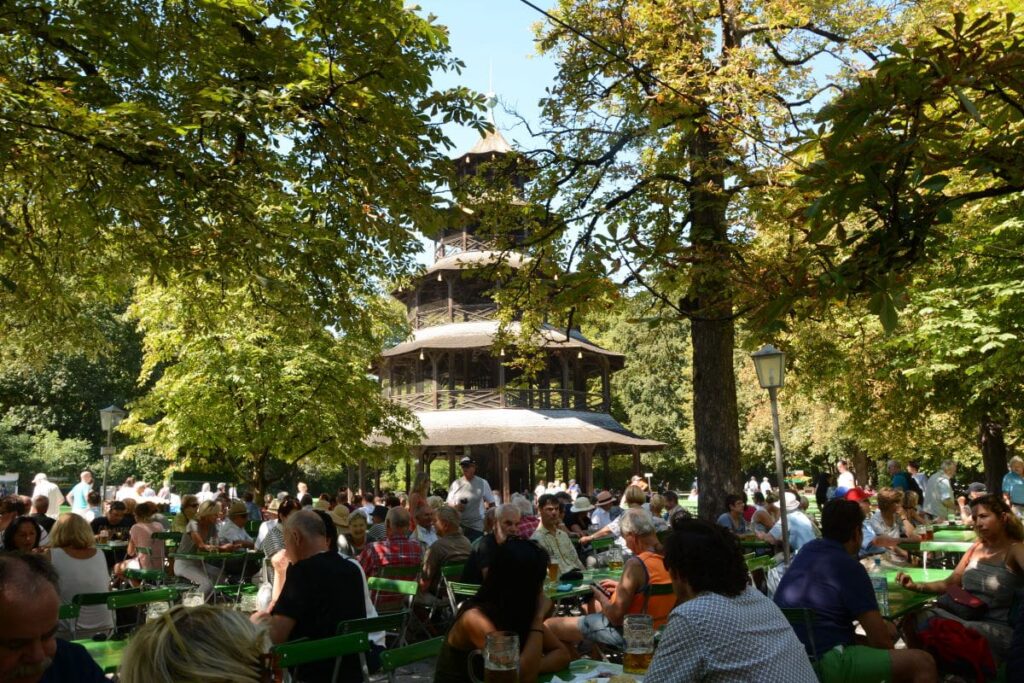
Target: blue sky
(495, 35)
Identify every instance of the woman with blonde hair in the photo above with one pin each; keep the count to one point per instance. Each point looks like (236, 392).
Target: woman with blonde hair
(189, 505)
(141, 536)
(82, 568)
(890, 521)
(418, 493)
(196, 645)
(912, 509)
(200, 537)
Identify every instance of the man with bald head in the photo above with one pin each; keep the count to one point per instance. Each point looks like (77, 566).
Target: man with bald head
(321, 588)
(506, 526)
(30, 652)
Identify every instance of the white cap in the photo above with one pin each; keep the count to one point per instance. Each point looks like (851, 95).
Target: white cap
(38, 478)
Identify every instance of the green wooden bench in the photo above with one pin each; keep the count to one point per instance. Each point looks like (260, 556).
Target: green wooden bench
(391, 660)
(291, 655)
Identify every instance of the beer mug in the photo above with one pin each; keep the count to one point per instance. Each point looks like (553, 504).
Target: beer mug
(193, 598)
(638, 632)
(615, 559)
(501, 658)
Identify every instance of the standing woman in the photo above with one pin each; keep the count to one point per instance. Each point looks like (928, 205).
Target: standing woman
(200, 537)
(510, 599)
(992, 570)
(418, 493)
(82, 569)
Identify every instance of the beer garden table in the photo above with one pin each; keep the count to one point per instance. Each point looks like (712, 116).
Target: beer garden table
(221, 558)
(903, 601)
(575, 669)
(106, 653)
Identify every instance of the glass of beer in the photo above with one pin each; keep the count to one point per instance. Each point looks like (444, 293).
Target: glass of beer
(615, 559)
(501, 658)
(638, 632)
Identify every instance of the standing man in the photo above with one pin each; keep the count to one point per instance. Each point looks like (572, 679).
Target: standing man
(468, 494)
(826, 578)
(914, 469)
(321, 589)
(845, 479)
(78, 496)
(45, 487)
(554, 539)
(938, 493)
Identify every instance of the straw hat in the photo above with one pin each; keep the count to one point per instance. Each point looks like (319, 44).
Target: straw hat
(339, 515)
(604, 498)
(792, 502)
(581, 504)
(206, 508)
(237, 508)
(274, 506)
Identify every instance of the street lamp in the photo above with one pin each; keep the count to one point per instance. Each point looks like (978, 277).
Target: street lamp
(110, 417)
(770, 364)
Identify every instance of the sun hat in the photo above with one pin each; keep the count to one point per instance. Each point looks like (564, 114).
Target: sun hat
(207, 507)
(237, 508)
(339, 515)
(604, 498)
(792, 502)
(321, 504)
(857, 494)
(274, 506)
(38, 478)
(581, 504)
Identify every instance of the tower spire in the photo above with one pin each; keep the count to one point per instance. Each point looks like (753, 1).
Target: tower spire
(492, 100)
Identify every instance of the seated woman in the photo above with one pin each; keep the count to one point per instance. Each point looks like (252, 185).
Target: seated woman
(766, 514)
(201, 537)
(891, 522)
(657, 506)
(510, 599)
(351, 544)
(23, 535)
(992, 570)
(614, 600)
(82, 569)
(189, 505)
(141, 536)
(724, 629)
(194, 644)
(911, 509)
(577, 521)
(732, 518)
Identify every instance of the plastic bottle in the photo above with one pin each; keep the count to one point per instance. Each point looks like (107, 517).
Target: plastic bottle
(878, 582)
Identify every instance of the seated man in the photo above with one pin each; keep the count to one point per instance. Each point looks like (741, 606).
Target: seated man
(396, 550)
(614, 600)
(117, 523)
(801, 528)
(826, 578)
(553, 538)
(426, 534)
(232, 529)
(40, 507)
(377, 530)
(724, 629)
(484, 548)
(320, 590)
(30, 652)
(450, 547)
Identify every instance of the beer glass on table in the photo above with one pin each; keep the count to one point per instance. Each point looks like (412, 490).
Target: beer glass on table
(615, 559)
(638, 632)
(501, 658)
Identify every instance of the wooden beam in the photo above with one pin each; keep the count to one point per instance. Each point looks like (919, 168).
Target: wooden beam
(586, 478)
(504, 451)
(636, 461)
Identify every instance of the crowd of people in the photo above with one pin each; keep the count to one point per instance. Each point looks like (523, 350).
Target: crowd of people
(716, 625)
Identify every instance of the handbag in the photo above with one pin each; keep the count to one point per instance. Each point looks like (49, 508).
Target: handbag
(962, 604)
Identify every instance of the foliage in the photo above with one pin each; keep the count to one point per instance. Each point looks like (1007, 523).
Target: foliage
(28, 452)
(254, 390)
(287, 145)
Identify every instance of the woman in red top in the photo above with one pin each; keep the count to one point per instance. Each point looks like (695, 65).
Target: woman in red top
(630, 595)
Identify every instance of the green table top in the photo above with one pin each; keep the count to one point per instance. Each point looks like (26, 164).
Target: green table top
(106, 653)
(581, 666)
(946, 546)
(218, 557)
(955, 535)
(582, 588)
(903, 601)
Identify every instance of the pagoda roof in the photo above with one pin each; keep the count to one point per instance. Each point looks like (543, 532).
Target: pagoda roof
(518, 425)
(481, 334)
(478, 259)
(492, 142)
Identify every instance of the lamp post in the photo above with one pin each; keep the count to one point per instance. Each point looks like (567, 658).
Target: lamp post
(110, 417)
(770, 364)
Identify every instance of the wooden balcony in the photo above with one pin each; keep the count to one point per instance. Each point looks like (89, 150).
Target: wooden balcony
(440, 314)
(534, 399)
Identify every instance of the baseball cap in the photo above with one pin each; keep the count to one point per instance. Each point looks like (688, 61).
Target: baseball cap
(977, 487)
(467, 461)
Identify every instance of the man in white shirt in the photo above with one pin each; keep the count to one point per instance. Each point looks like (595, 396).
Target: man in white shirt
(45, 487)
(938, 492)
(766, 486)
(541, 489)
(468, 494)
(845, 479)
(232, 529)
(751, 487)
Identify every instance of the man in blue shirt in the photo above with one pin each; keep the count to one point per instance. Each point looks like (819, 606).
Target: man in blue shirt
(826, 578)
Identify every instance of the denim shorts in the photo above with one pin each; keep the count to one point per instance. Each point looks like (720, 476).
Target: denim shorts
(595, 627)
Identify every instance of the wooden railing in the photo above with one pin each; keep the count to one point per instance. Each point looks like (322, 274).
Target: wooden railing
(458, 244)
(536, 399)
(460, 313)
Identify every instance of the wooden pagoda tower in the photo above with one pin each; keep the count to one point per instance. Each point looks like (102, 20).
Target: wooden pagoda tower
(453, 377)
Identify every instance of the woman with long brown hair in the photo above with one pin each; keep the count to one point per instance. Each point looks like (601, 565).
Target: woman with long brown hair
(992, 570)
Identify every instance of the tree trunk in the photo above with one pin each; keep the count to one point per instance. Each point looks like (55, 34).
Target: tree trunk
(709, 304)
(993, 453)
(861, 467)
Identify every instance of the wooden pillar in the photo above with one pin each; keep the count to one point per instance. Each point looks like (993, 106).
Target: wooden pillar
(532, 475)
(408, 474)
(451, 303)
(636, 461)
(565, 466)
(504, 451)
(565, 380)
(433, 377)
(604, 464)
(585, 478)
(606, 386)
(451, 466)
(362, 477)
(501, 382)
(549, 460)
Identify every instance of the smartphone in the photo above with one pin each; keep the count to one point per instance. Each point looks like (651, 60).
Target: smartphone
(598, 587)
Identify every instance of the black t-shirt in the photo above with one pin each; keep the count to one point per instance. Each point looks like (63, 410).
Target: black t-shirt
(480, 558)
(73, 664)
(45, 522)
(118, 532)
(319, 592)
